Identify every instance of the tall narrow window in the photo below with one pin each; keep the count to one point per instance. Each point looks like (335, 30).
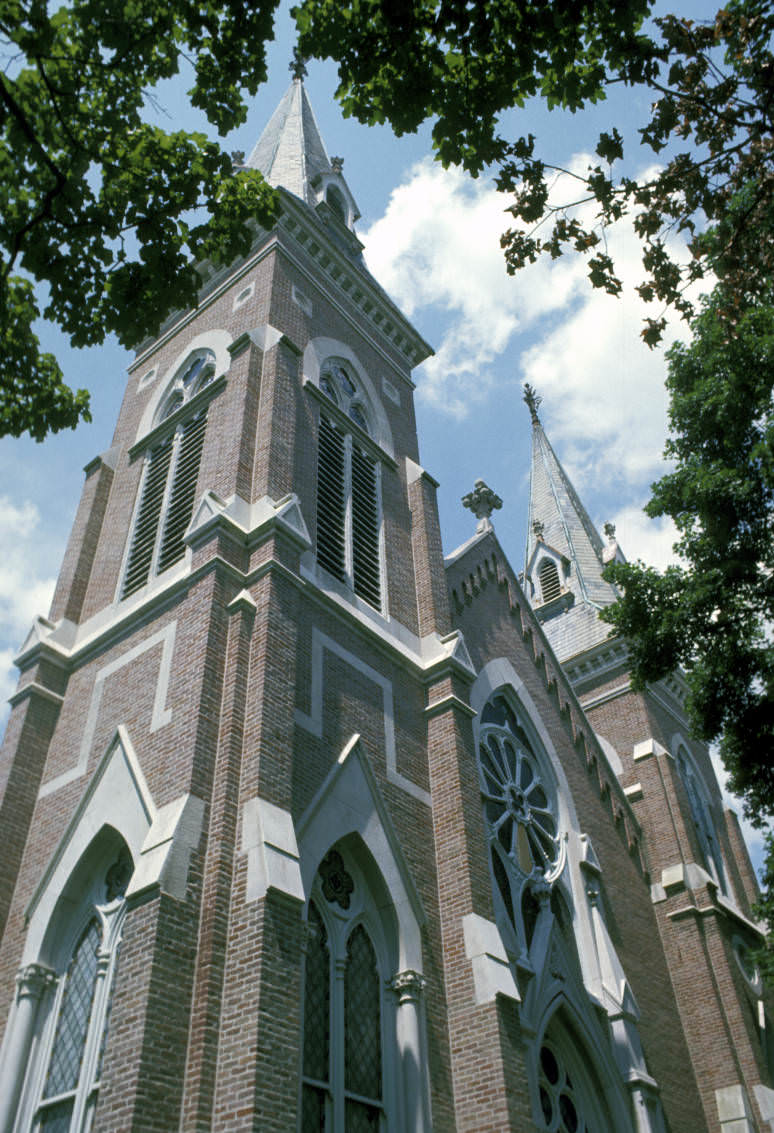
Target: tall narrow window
(342, 1085)
(702, 821)
(74, 1038)
(169, 480)
(348, 491)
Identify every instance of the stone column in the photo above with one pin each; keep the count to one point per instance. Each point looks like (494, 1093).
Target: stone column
(408, 987)
(32, 982)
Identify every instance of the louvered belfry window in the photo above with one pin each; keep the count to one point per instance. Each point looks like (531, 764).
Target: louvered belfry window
(348, 492)
(550, 586)
(169, 484)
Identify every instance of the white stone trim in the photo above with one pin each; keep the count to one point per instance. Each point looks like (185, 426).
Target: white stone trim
(765, 1099)
(161, 715)
(166, 850)
(269, 843)
(117, 795)
(243, 296)
(734, 1111)
(349, 802)
(148, 378)
(313, 722)
(648, 747)
(301, 300)
(492, 975)
(390, 392)
(217, 341)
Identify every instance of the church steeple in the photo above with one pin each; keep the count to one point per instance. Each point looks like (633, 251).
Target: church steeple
(292, 155)
(565, 554)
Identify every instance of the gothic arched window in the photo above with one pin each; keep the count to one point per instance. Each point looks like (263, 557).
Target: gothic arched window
(521, 814)
(349, 515)
(568, 1101)
(169, 478)
(65, 1078)
(702, 819)
(343, 1075)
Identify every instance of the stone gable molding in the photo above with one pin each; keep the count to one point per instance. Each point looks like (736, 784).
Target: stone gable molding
(248, 523)
(313, 720)
(349, 802)
(161, 715)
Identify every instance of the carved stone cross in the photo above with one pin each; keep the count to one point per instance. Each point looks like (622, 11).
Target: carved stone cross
(482, 501)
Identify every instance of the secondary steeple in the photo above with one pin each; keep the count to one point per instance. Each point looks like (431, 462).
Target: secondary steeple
(292, 155)
(565, 554)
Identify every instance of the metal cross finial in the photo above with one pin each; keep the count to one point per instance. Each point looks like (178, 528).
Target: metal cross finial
(482, 501)
(533, 402)
(298, 66)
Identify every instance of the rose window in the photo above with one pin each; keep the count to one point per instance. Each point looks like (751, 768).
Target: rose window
(516, 802)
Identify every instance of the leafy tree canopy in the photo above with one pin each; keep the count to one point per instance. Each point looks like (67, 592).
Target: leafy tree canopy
(94, 198)
(714, 614)
(713, 89)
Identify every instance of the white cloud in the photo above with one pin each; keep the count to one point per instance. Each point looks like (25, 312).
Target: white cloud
(438, 245)
(643, 538)
(26, 586)
(437, 248)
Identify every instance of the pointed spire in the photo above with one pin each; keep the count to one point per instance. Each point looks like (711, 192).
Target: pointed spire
(290, 152)
(559, 524)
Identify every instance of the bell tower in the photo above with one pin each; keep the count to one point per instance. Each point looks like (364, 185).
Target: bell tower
(703, 884)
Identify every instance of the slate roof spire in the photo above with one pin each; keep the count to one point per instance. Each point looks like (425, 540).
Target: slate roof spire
(560, 528)
(290, 152)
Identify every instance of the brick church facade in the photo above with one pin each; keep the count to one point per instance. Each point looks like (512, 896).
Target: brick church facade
(307, 828)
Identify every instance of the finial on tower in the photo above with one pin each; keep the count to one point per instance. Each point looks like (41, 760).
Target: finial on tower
(337, 164)
(482, 501)
(609, 530)
(298, 67)
(538, 529)
(533, 402)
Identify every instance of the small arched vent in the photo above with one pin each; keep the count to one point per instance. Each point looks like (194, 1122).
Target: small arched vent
(550, 586)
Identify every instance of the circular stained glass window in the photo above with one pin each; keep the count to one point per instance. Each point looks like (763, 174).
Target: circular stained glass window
(518, 807)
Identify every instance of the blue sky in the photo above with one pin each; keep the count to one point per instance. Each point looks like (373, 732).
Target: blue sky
(432, 240)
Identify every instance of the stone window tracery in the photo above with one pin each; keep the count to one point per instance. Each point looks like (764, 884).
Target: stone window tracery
(343, 1073)
(521, 816)
(64, 1080)
(562, 1109)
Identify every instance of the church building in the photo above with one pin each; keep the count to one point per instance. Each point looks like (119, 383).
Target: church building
(307, 828)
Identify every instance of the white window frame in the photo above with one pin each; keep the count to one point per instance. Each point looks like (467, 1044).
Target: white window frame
(110, 916)
(193, 403)
(701, 815)
(349, 435)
